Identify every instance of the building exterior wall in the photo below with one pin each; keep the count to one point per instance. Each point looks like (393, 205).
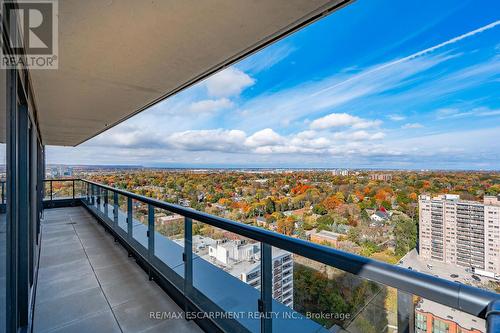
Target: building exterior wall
(428, 323)
(321, 237)
(464, 233)
(492, 237)
(425, 238)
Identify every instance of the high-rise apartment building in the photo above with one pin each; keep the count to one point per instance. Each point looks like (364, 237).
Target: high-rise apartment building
(460, 232)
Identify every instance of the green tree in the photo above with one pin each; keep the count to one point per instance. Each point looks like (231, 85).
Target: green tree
(319, 209)
(270, 207)
(354, 235)
(325, 220)
(405, 235)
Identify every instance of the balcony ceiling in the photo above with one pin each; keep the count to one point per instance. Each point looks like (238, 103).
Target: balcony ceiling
(117, 58)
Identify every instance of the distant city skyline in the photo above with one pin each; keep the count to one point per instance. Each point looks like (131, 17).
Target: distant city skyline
(385, 84)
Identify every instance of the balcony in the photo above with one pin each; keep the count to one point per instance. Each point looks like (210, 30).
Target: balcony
(80, 256)
(182, 280)
(88, 283)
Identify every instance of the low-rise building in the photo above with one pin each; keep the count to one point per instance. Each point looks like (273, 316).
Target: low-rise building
(325, 236)
(386, 177)
(434, 317)
(174, 218)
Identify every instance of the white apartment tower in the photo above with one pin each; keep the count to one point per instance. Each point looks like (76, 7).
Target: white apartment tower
(242, 260)
(460, 232)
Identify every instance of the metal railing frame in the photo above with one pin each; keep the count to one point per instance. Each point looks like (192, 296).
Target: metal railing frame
(474, 301)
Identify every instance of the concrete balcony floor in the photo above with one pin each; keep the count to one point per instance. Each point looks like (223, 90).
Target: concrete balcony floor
(87, 282)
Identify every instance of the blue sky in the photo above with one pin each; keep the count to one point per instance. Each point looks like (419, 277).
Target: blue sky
(382, 84)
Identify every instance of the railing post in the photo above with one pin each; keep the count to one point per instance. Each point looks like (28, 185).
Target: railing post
(98, 197)
(51, 191)
(493, 317)
(151, 234)
(266, 301)
(73, 189)
(406, 313)
(105, 202)
(129, 218)
(188, 259)
(3, 186)
(115, 208)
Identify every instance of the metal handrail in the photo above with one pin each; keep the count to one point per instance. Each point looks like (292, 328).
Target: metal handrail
(465, 298)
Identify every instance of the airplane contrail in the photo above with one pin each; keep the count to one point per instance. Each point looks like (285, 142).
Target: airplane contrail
(416, 54)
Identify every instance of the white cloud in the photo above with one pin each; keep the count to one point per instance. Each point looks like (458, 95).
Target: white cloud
(210, 105)
(208, 140)
(127, 136)
(265, 137)
(335, 120)
(307, 134)
(448, 113)
(358, 136)
(412, 125)
(396, 117)
(377, 136)
(229, 82)
(343, 120)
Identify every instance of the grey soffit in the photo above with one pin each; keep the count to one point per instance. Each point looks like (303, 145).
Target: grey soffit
(117, 58)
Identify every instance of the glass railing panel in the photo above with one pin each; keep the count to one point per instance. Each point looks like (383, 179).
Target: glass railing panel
(46, 190)
(168, 245)
(169, 238)
(95, 196)
(226, 275)
(322, 298)
(101, 193)
(110, 205)
(122, 212)
(61, 189)
(80, 189)
(140, 222)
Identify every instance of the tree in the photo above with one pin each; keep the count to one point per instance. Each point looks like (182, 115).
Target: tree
(332, 202)
(286, 226)
(325, 220)
(368, 248)
(405, 235)
(319, 209)
(270, 207)
(386, 204)
(354, 235)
